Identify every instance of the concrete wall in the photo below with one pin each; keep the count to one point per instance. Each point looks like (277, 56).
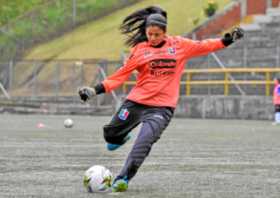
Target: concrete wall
(224, 20)
(200, 106)
(226, 107)
(256, 7)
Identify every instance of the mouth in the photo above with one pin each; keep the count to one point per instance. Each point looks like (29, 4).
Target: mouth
(153, 43)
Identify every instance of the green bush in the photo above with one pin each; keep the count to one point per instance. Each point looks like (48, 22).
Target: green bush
(9, 10)
(46, 19)
(211, 8)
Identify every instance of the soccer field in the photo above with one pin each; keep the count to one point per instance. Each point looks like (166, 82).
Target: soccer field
(193, 158)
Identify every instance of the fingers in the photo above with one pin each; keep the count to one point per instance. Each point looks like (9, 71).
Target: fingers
(234, 35)
(237, 33)
(83, 97)
(86, 93)
(82, 93)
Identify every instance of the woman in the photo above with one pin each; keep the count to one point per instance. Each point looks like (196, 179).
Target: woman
(276, 100)
(160, 60)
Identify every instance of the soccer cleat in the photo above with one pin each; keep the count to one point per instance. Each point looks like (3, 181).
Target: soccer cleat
(112, 147)
(120, 185)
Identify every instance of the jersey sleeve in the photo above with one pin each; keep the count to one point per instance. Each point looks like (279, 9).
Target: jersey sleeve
(122, 74)
(194, 48)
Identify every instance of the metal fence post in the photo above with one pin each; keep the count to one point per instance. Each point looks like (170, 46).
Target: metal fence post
(11, 74)
(104, 76)
(74, 12)
(269, 4)
(226, 85)
(243, 8)
(188, 85)
(34, 80)
(124, 88)
(194, 36)
(99, 79)
(278, 55)
(245, 56)
(82, 74)
(208, 66)
(56, 80)
(78, 71)
(267, 85)
(203, 113)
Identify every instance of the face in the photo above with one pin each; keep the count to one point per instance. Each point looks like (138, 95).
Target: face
(155, 35)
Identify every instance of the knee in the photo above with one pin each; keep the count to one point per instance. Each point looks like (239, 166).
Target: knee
(152, 130)
(113, 134)
(108, 132)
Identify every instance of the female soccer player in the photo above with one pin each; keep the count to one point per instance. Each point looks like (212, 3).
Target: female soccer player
(160, 60)
(276, 100)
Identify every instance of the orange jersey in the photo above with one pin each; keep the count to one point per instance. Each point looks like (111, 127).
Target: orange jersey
(159, 69)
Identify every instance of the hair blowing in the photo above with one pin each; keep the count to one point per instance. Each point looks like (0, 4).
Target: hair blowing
(134, 25)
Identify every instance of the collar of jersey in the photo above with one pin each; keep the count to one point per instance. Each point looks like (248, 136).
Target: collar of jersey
(160, 44)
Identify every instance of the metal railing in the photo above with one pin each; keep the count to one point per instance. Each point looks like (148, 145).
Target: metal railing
(191, 82)
(62, 78)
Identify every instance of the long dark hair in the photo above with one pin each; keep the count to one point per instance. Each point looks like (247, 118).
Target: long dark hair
(134, 24)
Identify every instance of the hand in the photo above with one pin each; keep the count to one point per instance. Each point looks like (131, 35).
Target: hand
(237, 33)
(86, 93)
(234, 35)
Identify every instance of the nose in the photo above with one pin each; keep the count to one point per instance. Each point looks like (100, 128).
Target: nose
(152, 38)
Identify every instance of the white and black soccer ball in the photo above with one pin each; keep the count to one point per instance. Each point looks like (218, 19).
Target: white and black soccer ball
(68, 123)
(97, 179)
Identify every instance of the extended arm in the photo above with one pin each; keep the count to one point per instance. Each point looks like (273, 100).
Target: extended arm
(199, 48)
(110, 83)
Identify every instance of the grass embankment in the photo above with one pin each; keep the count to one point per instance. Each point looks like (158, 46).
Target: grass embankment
(102, 39)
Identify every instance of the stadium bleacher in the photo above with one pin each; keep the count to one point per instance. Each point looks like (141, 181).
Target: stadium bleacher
(259, 49)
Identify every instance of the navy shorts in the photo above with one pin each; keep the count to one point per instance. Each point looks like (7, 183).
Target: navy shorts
(129, 115)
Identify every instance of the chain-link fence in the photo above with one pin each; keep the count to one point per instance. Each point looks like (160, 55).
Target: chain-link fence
(52, 86)
(60, 78)
(54, 78)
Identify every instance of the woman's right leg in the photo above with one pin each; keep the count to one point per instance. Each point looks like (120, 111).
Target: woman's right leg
(155, 120)
(277, 114)
(126, 119)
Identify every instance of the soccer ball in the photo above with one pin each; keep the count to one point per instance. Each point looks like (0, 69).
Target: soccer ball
(68, 123)
(97, 179)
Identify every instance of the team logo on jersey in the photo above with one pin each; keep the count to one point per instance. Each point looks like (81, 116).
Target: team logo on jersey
(162, 67)
(123, 114)
(171, 50)
(147, 54)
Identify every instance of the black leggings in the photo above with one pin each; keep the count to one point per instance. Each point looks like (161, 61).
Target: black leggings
(154, 121)
(277, 108)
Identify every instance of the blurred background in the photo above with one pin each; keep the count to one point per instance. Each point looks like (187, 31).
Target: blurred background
(49, 48)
